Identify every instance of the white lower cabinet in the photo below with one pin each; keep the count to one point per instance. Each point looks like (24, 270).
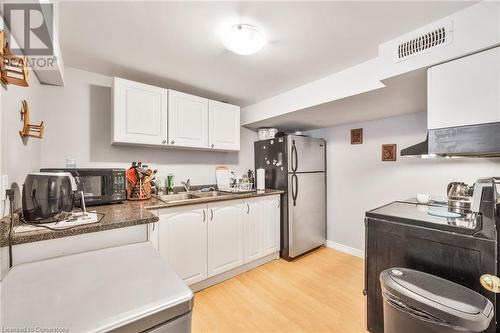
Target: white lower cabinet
(183, 241)
(271, 225)
(254, 223)
(153, 234)
(225, 236)
(262, 227)
(202, 241)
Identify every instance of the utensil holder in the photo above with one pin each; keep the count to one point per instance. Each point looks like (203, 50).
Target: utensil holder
(139, 191)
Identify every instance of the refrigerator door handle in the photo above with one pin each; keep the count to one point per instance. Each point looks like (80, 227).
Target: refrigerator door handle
(295, 188)
(295, 157)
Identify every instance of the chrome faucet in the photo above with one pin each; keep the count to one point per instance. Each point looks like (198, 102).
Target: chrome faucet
(187, 185)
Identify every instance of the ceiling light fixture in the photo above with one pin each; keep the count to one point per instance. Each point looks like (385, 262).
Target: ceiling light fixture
(243, 39)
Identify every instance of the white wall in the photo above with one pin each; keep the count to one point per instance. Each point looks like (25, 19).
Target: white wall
(357, 179)
(20, 156)
(78, 124)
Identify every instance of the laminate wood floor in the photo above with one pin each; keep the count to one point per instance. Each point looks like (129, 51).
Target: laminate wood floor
(321, 292)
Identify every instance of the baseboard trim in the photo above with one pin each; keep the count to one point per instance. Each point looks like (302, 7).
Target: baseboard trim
(346, 249)
(233, 272)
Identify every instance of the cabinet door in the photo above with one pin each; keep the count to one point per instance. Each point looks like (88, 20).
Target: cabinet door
(152, 231)
(465, 91)
(271, 225)
(225, 236)
(253, 229)
(188, 120)
(183, 242)
(153, 234)
(139, 113)
(224, 126)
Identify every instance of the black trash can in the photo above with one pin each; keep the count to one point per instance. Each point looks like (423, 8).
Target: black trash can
(417, 302)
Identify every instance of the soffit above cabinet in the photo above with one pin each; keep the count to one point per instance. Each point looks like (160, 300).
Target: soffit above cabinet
(403, 94)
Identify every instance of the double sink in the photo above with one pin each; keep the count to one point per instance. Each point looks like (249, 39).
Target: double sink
(189, 196)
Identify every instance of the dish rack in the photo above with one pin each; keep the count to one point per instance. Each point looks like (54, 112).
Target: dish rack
(239, 188)
(242, 186)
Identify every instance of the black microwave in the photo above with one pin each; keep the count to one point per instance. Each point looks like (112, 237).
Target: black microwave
(99, 186)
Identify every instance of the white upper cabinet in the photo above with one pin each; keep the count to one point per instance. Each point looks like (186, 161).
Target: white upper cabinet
(465, 91)
(224, 130)
(187, 120)
(225, 236)
(148, 115)
(139, 113)
(183, 241)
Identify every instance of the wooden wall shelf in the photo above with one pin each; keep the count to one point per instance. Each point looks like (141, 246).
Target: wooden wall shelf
(35, 131)
(13, 68)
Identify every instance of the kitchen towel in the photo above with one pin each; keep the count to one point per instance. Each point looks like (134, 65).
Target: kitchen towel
(261, 179)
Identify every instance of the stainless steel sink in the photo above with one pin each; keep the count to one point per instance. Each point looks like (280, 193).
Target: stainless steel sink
(189, 196)
(177, 197)
(209, 194)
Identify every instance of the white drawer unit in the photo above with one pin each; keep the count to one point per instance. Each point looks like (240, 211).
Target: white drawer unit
(465, 91)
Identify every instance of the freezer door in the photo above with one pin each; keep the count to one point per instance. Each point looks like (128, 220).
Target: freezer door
(306, 212)
(305, 154)
(271, 156)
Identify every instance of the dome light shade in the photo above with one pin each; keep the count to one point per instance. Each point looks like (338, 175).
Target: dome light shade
(243, 39)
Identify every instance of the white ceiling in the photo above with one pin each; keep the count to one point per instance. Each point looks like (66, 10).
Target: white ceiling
(177, 45)
(403, 94)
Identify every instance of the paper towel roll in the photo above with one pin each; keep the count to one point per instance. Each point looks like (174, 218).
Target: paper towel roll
(261, 179)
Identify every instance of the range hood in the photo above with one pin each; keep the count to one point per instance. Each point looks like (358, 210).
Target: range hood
(463, 108)
(481, 140)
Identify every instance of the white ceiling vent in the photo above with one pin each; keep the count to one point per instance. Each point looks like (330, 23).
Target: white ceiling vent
(418, 43)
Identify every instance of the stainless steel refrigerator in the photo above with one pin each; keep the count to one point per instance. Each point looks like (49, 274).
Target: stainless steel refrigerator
(296, 165)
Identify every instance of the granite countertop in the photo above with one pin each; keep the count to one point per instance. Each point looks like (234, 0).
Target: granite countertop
(120, 215)
(126, 214)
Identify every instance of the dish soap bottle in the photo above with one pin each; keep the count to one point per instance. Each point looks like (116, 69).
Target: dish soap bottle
(170, 183)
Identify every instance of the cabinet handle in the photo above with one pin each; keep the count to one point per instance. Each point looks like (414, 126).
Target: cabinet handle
(279, 204)
(212, 145)
(248, 209)
(204, 216)
(164, 141)
(153, 226)
(172, 142)
(211, 214)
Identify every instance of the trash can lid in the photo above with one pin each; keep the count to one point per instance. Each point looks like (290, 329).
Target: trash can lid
(451, 302)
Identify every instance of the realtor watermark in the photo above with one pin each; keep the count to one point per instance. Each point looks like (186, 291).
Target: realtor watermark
(32, 26)
(34, 329)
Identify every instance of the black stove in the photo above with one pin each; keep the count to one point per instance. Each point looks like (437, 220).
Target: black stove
(460, 249)
(412, 213)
